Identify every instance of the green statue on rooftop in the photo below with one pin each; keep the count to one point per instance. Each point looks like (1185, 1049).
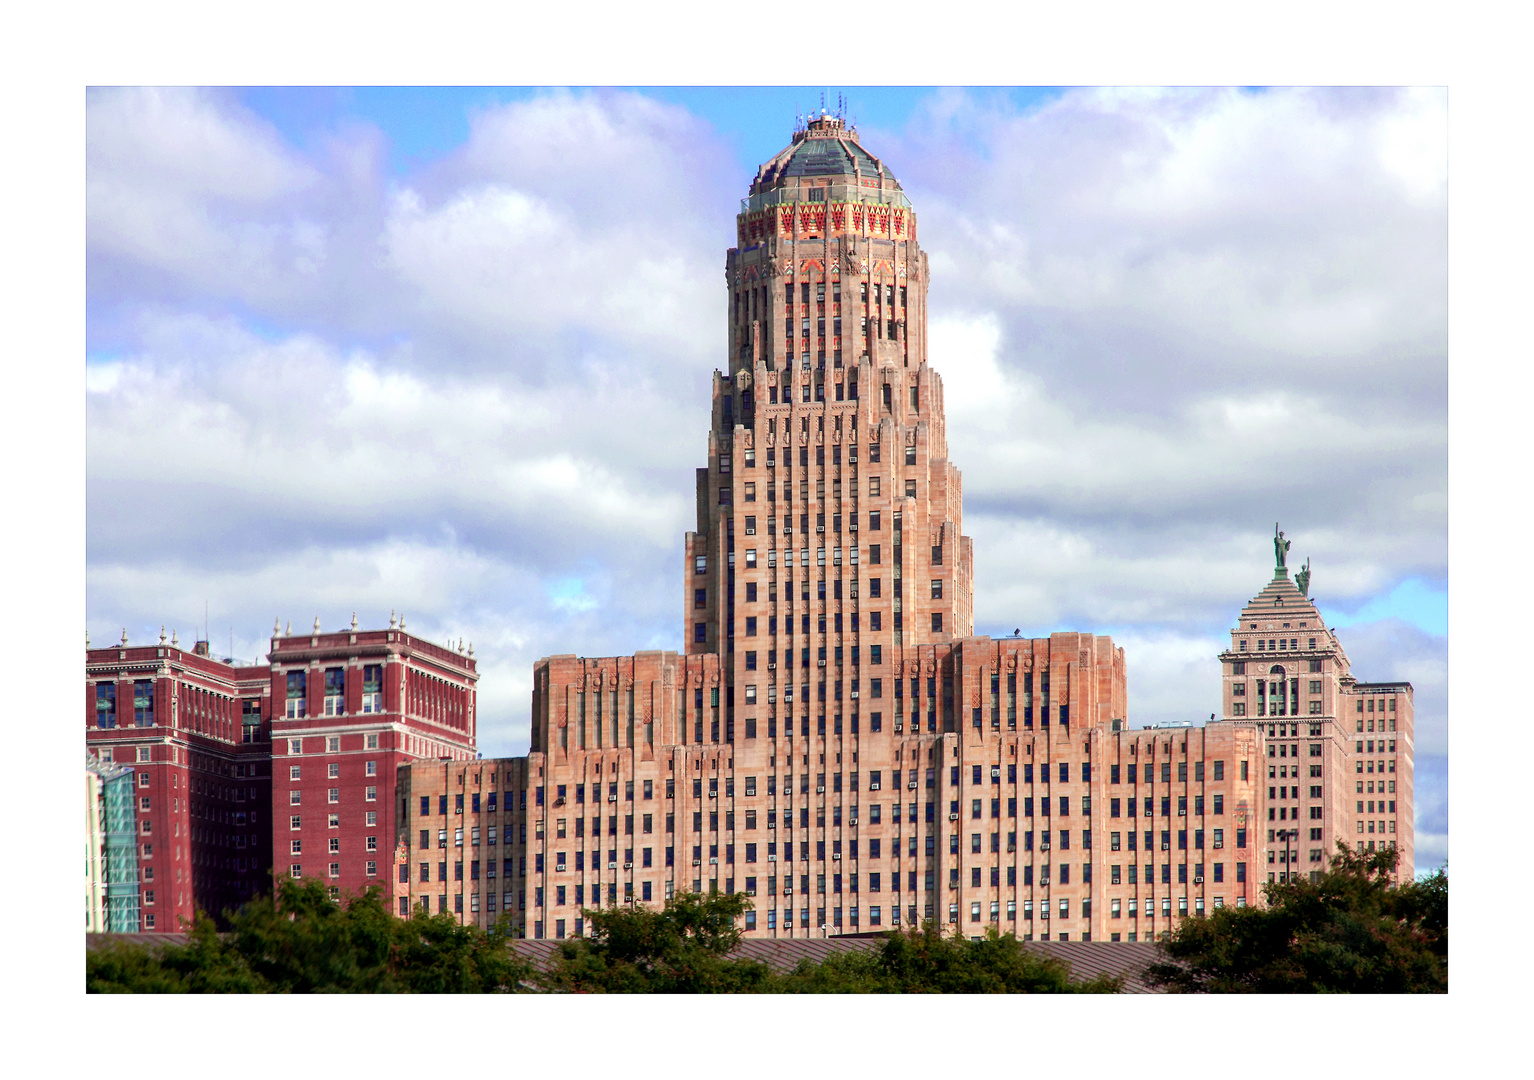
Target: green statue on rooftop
(1302, 578)
(1280, 549)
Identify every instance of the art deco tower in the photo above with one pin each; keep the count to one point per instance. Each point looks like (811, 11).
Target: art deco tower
(828, 475)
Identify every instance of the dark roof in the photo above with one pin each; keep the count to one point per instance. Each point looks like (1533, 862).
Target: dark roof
(826, 149)
(828, 157)
(95, 941)
(1087, 959)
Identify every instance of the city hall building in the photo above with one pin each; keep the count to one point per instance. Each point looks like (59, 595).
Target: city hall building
(832, 738)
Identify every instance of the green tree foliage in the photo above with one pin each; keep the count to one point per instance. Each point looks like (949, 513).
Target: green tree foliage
(301, 941)
(680, 949)
(925, 962)
(1353, 931)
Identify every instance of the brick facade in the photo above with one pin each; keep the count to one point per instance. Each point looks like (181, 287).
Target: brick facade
(831, 738)
(208, 737)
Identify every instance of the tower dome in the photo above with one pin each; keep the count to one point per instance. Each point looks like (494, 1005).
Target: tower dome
(825, 148)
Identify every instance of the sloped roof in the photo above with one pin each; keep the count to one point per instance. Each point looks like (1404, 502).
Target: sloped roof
(1087, 959)
(826, 149)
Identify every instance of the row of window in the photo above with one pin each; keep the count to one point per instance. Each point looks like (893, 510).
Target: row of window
(370, 868)
(334, 698)
(333, 771)
(330, 745)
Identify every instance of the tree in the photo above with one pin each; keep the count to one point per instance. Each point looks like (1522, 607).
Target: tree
(681, 949)
(302, 941)
(1352, 931)
(925, 962)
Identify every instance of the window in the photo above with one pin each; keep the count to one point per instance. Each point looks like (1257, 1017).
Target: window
(298, 688)
(335, 691)
(372, 695)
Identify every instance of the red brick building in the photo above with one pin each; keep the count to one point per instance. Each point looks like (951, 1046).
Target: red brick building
(330, 717)
(197, 732)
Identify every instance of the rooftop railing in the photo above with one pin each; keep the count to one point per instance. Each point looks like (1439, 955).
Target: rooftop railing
(837, 193)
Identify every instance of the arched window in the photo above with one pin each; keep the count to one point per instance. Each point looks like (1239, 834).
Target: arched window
(1276, 669)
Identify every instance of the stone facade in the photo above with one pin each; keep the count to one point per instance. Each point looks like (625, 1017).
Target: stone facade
(831, 739)
(1287, 679)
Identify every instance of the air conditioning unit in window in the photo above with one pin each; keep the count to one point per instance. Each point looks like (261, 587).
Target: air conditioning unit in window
(772, 824)
(820, 528)
(852, 821)
(713, 794)
(772, 858)
(697, 862)
(628, 866)
(1198, 880)
(714, 861)
(953, 817)
(612, 798)
(898, 729)
(821, 789)
(854, 693)
(772, 665)
(822, 663)
(836, 857)
(854, 594)
(853, 527)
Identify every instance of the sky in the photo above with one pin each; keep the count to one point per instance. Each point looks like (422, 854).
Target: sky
(447, 352)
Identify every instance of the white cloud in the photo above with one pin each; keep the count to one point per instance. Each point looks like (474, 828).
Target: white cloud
(478, 393)
(183, 183)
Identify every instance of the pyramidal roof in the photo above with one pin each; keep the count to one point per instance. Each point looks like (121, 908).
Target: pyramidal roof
(826, 147)
(1281, 602)
(1281, 597)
